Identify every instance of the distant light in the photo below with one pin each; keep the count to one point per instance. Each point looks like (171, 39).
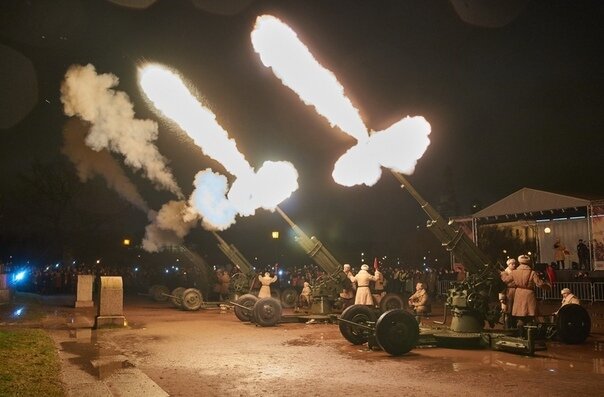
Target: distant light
(529, 253)
(275, 235)
(136, 269)
(167, 271)
(577, 217)
(281, 272)
(126, 241)
(559, 219)
(73, 263)
(505, 251)
(177, 269)
(19, 276)
(98, 261)
(18, 312)
(56, 266)
(547, 230)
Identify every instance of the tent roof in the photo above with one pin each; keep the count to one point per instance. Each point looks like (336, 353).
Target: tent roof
(530, 200)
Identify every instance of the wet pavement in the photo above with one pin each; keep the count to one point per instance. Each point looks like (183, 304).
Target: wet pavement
(165, 351)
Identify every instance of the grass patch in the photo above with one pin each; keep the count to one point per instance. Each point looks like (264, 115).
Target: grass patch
(29, 364)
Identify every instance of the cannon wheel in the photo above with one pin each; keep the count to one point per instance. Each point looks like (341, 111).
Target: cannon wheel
(359, 314)
(266, 312)
(391, 301)
(289, 297)
(158, 292)
(176, 297)
(247, 300)
(396, 332)
(192, 299)
(573, 324)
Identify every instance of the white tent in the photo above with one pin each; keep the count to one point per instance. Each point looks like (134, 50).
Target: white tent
(551, 216)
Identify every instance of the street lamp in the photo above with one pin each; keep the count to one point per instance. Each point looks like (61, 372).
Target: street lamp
(275, 236)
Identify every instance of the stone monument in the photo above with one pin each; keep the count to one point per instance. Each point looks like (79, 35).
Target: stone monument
(111, 303)
(84, 291)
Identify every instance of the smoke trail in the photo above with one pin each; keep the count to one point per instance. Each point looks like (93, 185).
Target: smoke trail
(273, 183)
(169, 226)
(89, 163)
(399, 147)
(91, 97)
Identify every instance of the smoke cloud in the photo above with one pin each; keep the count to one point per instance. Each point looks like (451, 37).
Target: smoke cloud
(90, 163)
(91, 97)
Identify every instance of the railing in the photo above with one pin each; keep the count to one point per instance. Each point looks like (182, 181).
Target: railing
(584, 290)
(581, 289)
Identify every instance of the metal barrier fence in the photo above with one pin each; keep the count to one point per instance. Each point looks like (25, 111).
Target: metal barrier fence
(585, 291)
(581, 290)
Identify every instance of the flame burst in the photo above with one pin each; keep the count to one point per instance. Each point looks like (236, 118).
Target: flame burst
(273, 183)
(398, 147)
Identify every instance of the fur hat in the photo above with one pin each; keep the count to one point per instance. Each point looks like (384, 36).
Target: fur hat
(364, 267)
(524, 260)
(564, 291)
(511, 261)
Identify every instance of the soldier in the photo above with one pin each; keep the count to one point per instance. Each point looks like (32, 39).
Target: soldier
(525, 279)
(420, 301)
(305, 296)
(224, 281)
(507, 298)
(363, 295)
(266, 281)
(378, 287)
(347, 294)
(569, 298)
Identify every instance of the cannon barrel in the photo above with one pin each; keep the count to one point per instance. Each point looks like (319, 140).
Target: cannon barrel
(235, 256)
(453, 240)
(313, 247)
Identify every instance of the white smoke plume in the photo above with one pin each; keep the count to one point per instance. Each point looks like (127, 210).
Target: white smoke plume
(89, 163)
(169, 226)
(212, 199)
(91, 97)
(399, 147)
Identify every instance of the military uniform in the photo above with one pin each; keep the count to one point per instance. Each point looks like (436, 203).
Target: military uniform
(363, 295)
(266, 281)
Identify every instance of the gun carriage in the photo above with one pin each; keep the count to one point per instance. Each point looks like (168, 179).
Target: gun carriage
(472, 302)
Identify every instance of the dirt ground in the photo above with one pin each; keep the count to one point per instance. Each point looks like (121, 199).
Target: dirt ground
(212, 353)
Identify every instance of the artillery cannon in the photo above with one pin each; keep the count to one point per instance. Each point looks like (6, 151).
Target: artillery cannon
(471, 303)
(326, 289)
(241, 283)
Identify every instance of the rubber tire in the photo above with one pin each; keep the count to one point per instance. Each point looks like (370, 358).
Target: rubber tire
(396, 332)
(160, 293)
(192, 299)
(289, 297)
(267, 312)
(176, 297)
(573, 324)
(247, 300)
(391, 301)
(360, 314)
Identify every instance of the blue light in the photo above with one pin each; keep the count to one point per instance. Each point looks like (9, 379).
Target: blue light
(20, 276)
(136, 269)
(18, 312)
(281, 272)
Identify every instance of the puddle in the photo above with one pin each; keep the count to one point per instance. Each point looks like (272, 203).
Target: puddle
(90, 354)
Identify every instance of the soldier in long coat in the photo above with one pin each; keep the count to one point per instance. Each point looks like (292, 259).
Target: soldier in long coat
(266, 281)
(507, 298)
(526, 280)
(362, 278)
(420, 300)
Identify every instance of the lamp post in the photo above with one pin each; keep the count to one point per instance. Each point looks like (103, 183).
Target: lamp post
(275, 236)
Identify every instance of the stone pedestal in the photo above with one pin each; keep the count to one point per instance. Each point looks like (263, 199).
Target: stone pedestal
(4, 291)
(111, 303)
(84, 291)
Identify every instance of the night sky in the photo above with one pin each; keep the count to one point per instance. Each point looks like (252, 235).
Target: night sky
(513, 94)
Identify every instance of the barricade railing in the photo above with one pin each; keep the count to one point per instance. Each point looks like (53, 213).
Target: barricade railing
(444, 286)
(581, 289)
(598, 291)
(585, 291)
